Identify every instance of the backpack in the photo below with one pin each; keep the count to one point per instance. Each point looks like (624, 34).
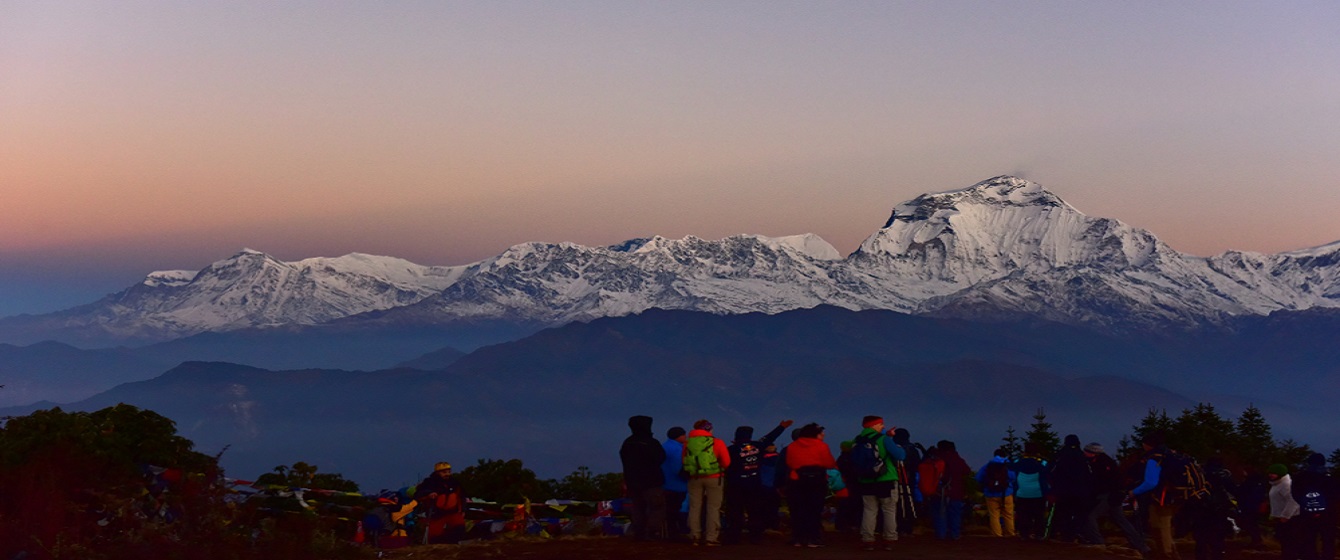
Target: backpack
(701, 458)
(1182, 479)
(1314, 501)
(997, 478)
(867, 460)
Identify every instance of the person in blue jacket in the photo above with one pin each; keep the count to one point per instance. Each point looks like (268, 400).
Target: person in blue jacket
(998, 483)
(1030, 493)
(676, 484)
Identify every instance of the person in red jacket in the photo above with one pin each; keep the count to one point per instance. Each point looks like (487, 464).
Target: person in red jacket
(705, 459)
(809, 460)
(953, 493)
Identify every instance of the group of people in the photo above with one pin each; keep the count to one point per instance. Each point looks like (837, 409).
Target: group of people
(748, 478)
(881, 484)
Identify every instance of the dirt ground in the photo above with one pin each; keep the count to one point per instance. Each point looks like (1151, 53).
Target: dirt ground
(840, 546)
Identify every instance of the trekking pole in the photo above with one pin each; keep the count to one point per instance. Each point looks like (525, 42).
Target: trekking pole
(427, 523)
(1047, 530)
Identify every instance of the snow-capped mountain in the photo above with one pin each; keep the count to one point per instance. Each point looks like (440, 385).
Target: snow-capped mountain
(1005, 247)
(250, 289)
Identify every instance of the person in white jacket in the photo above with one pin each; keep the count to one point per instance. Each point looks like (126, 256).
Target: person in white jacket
(1283, 508)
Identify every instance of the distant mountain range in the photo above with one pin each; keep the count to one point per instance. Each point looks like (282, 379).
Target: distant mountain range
(966, 312)
(560, 398)
(1003, 248)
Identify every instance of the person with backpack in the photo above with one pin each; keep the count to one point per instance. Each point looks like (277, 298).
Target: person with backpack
(808, 459)
(744, 483)
(1072, 484)
(1209, 515)
(874, 461)
(930, 471)
(907, 475)
(1318, 500)
(643, 457)
(997, 483)
(953, 493)
(443, 502)
(1030, 493)
(706, 460)
(676, 484)
(1111, 492)
(1283, 510)
(1172, 479)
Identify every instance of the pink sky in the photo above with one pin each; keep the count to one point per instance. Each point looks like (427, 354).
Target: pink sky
(137, 136)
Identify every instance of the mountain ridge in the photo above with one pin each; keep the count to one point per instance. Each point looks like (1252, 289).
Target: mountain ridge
(1004, 247)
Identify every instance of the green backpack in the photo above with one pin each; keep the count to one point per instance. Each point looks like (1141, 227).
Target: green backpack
(701, 458)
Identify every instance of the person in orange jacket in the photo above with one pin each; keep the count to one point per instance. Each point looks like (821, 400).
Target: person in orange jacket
(809, 460)
(444, 502)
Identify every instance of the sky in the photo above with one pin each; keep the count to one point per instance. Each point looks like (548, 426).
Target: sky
(138, 136)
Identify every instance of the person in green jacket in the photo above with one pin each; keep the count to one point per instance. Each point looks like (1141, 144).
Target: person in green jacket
(875, 458)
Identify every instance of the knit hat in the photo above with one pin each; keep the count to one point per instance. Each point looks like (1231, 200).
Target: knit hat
(1278, 470)
(1095, 448)
(442, 466)
(702, 425)
(871, 421)
(1316, 460)
(675, 432)
(1071, 440)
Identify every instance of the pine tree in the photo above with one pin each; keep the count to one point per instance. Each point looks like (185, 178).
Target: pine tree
(1334, 462)
(1014, 449)
(1255, 444)
(1155, 422)
(1202, 433)
(1291, 453)
(1041, 434)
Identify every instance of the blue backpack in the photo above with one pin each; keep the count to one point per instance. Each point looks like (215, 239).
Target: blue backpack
(867, 460)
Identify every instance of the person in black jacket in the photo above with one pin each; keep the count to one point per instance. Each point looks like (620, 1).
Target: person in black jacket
(1072, 483)
(744, 493)
(907, 503)
(642, 456)
(1110, 493)
(1318, 500)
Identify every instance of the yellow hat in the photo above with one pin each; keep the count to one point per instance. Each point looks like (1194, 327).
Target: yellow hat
(441, 466)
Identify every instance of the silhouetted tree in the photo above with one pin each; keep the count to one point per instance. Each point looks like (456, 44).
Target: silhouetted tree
(1013, 448)
(1254, 443)
(1202, 433)
(1041, 433)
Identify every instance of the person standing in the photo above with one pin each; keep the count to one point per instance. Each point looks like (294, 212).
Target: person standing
(808, 459)
(955, 491)
(676, 484)
(878, 486)
(1107, 483)
(1072, 483)
(744, 493)
(1162, 506)
(642, 457)
(907, 478)
(1030, 493)
(1283, 510)
(443, 500)
(997, 483)
(706, 460)
(1318, 498)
